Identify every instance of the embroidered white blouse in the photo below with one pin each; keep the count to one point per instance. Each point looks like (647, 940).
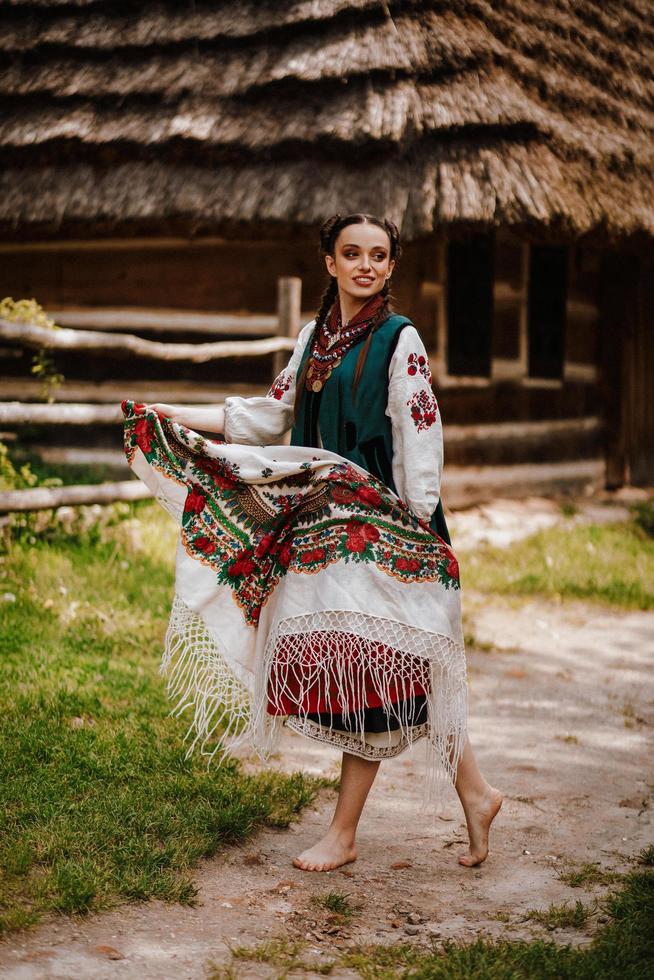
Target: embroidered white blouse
(412, 407)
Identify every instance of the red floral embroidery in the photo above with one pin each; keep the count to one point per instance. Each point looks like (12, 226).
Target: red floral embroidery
(195, 501)
(342, 495)
(418, 363)
(280, 386)
(144, 434)
(216, 470)
(205, 545)
(318, 554)
(251, 555)
(359, 535)
(368, 495)
(244, 564)
(265, 546)
(424, 409)
(407, 564)
(285, 555)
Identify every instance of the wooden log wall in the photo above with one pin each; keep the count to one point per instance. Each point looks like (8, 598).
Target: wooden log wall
(626, 342)
(241, 277)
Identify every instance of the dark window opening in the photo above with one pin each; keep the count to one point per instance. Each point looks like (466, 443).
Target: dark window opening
(470, 305)
(548, 283)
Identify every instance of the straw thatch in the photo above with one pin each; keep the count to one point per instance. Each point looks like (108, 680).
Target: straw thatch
(198, 115)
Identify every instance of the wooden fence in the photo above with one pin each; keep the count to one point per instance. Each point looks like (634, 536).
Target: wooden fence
(266, 335)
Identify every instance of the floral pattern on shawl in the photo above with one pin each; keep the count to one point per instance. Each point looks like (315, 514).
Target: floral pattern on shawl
(253, 532)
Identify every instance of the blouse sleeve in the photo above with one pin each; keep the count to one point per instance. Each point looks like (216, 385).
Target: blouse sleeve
(416, 426)
(263, 420)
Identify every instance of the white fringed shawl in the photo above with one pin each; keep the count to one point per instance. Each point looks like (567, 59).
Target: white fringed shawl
(292, 564)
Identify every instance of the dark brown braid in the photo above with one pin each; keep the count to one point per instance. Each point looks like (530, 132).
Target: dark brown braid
(326, 302)
(329, 232)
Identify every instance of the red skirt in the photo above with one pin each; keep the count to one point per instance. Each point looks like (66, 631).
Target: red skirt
(323, 695)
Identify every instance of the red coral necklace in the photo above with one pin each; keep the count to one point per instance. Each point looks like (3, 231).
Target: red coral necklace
(332, 341)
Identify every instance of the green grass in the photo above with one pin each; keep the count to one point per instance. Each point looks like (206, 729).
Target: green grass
(337, 903)
(98, 803)
(588, 875)
(563, 916)
(612, 564)
(284, 953)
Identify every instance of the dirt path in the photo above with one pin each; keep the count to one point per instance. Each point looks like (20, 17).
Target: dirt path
(561, 716)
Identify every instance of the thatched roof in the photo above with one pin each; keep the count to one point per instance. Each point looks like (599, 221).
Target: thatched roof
(196, 115)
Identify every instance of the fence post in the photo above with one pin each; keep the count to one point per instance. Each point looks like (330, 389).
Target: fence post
(289, 306)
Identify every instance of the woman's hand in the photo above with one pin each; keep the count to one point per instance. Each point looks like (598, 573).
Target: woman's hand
(170, 411)
(211, 419)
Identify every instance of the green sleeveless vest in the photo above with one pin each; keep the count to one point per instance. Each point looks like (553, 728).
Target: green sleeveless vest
(358, 429)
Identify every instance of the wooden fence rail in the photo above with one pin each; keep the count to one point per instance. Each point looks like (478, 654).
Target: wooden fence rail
(44, 498)
(142, 320)
(24, 413)
(29, 335)
(287, 323)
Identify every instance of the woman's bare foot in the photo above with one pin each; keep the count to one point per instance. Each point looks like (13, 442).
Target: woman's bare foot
(329, 853)
(479, 817)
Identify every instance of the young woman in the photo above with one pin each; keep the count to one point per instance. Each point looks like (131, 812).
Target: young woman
(377, 660)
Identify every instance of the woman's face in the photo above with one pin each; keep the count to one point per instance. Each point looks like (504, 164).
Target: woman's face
(362, 260)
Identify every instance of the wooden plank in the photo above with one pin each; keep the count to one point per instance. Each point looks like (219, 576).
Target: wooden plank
(17, 413)
(582, 373)
(139, 390)
(29, 335)
(115, 459)
(289, 298)
(24, 413)
(105, 244)
(44, 498)
(465, 485)
(170, 321)
(503, 432)
(640, 377)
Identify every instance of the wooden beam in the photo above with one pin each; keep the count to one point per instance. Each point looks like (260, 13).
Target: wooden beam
(289, 298)
(170, 321)
(137, 389)
(37, 413)
(29, 335)
(113, 459)
(465, 485)
(129, 244)
(504, 432)
(25, 413)
(45, 498)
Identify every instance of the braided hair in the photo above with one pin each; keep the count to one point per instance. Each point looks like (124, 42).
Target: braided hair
(329, 232)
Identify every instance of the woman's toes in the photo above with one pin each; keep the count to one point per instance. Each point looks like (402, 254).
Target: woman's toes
(468, 860)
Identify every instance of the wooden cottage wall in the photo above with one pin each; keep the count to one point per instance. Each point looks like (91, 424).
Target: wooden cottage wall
(507, 416)
(232, 276)
(172, 274)
(209, 275)
(627, 366)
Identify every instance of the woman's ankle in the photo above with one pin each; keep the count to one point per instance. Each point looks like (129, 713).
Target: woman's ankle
(475, 795)
(344, 836)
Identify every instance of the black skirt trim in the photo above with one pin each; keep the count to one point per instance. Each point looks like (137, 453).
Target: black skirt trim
(374, 719)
